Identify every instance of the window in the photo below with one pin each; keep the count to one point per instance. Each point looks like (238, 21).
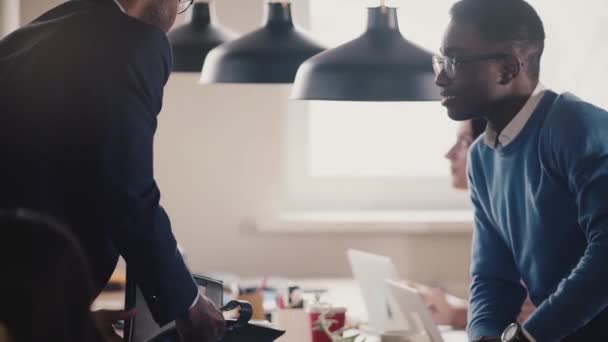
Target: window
(370, 156)
(390, 156)
(575, 59)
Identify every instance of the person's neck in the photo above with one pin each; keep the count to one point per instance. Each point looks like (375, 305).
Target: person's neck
(130, 7)
(504, 110)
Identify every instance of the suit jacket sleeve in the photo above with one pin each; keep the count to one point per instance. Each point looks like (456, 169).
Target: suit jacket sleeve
(129, 98)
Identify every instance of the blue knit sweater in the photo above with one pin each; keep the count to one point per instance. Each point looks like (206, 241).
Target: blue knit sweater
(541, 218)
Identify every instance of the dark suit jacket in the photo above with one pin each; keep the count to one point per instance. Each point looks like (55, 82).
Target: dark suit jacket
(80, 89)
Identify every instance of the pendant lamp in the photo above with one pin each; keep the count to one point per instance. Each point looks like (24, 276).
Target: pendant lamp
(270, 54)
(192, 42)
(379, 65)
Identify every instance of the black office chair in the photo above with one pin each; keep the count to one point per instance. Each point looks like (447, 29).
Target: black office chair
(143, 328)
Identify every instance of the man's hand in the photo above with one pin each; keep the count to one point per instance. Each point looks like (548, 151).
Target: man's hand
(445, 308)
(436, 300)
(105, 320)
(203, 322)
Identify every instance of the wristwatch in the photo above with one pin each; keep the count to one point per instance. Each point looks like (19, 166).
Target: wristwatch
(514, 333)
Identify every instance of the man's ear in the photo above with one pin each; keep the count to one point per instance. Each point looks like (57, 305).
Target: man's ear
(510, 69)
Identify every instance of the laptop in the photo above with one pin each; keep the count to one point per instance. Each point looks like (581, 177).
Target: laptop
(143, 327)
(412, 306)
(370, 271)
(391, 305)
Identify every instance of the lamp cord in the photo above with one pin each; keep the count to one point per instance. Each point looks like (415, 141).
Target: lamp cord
(383, 6)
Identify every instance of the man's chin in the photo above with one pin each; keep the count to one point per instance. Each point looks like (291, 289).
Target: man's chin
(459, 115)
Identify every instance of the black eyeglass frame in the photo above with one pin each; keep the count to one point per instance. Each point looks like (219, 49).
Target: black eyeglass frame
(441, 62)
(183, 2)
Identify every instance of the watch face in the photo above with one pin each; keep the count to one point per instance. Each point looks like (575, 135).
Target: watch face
(510, 333)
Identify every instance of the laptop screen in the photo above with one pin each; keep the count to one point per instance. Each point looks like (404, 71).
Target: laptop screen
(143, 327)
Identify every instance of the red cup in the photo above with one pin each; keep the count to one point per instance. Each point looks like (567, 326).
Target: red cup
(335, 319)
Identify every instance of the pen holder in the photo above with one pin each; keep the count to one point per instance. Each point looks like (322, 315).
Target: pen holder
(324, 321)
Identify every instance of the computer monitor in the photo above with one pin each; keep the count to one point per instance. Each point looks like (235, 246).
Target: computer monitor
(370, 272)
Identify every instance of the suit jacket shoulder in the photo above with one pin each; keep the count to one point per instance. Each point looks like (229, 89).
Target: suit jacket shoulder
(85, 38)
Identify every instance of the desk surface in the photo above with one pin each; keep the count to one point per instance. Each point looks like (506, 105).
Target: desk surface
(113, 300)
(339, 292)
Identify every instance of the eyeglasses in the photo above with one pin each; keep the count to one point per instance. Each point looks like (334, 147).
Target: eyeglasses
(183, 5)
(450, 64)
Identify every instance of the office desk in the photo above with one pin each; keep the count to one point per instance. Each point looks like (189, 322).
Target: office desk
(112, 300)
(341, 292)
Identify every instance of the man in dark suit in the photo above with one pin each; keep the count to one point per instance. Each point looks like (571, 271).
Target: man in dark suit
(80, 89)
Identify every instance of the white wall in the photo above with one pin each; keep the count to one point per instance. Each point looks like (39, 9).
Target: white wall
(9, 16)
(220, 165)
(31, 9)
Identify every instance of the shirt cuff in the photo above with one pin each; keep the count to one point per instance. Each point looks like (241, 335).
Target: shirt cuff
(527, 334)
(198, 296)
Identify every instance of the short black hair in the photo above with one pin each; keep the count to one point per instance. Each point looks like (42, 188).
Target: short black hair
(514, 22)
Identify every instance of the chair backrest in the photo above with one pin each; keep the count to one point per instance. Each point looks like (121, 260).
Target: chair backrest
(143, 327)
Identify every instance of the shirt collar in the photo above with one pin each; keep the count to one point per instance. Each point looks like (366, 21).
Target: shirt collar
(120, 6)
(518, 122)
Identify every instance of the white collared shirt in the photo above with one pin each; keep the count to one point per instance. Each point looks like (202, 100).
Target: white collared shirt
(120, 6)
(518, 122)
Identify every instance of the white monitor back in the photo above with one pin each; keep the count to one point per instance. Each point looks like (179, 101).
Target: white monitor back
(370, 271)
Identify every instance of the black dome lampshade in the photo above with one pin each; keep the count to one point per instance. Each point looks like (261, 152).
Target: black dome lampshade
(379, 65)
(270, 54)
(192, 42)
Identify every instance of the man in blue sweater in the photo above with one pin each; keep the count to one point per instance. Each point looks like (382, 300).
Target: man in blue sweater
(538, 176)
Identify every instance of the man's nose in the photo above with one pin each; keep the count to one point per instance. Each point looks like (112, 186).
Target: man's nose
(450, 154)
(442, 79)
